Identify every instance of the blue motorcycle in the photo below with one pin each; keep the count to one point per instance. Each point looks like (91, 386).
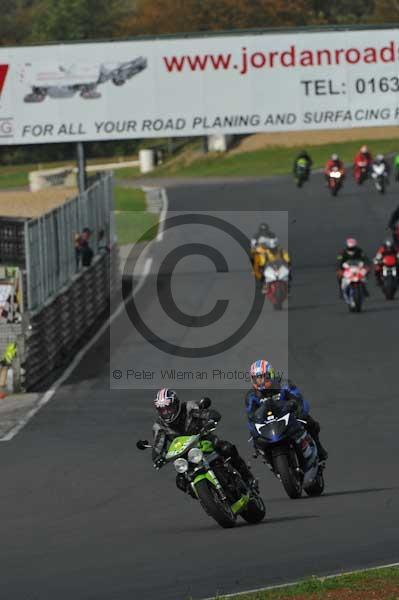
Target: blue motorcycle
(287, 448)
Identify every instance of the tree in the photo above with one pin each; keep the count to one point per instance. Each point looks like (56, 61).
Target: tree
(15, 22)
(173, 16)
(65, 20)
(385, 11)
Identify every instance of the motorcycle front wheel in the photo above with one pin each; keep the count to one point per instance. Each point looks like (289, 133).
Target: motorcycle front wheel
(358, 298)
(334, 189)
(389, 287)
(279, 296)
(213, 505)
(289, 477)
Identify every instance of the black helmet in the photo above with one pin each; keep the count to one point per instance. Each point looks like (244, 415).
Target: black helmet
(264, 228)
(168, 405)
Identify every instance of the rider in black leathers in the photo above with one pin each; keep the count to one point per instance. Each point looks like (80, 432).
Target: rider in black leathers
(177, 418)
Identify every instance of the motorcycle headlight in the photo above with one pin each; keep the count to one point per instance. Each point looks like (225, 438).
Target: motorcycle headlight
(181, 465)
(195, 455)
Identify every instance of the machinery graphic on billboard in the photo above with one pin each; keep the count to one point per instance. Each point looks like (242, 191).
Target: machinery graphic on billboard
(60, 81)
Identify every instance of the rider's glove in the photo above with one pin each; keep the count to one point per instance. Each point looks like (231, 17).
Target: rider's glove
(209, 425)
(158, 462)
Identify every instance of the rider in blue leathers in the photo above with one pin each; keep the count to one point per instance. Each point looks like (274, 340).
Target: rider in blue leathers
(266, 384)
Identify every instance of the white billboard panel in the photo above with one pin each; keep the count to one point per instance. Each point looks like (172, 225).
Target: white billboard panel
(195, 86)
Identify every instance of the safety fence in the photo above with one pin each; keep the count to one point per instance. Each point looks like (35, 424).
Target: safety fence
(50, 253)
(57, 331)
(62, 301)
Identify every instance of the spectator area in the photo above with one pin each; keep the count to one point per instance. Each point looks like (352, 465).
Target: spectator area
(28, 204)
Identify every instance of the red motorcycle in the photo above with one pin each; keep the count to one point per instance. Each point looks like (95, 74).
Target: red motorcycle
(388, 275)
(361, 171)
(354, 276)
(276, 277)
(335, 179)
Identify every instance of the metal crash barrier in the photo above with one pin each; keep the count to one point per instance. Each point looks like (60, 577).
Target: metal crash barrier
(63, 301)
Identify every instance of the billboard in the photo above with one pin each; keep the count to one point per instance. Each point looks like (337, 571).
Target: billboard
(242, 83)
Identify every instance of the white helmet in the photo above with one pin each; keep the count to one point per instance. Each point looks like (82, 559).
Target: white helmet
(273, 243)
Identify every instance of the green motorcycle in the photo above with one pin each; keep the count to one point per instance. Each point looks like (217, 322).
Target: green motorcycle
(301, 172)
(212, 480)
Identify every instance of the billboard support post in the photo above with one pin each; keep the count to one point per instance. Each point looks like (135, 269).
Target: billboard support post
(80, 154)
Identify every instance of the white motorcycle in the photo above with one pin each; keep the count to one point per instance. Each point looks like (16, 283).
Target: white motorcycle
(380, 176)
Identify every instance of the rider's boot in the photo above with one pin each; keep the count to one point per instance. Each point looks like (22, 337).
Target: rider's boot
(321, 451)
(241, 466)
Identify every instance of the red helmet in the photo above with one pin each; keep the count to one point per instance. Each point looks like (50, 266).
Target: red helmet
(168, 405)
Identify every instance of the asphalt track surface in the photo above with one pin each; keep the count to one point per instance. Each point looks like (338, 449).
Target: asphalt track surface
(83, 514)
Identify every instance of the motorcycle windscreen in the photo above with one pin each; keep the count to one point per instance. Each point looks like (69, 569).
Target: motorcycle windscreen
(273, 432)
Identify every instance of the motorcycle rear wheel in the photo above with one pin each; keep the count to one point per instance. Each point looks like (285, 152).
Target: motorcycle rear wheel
(255, 511)
(213, 505)
(317, 487)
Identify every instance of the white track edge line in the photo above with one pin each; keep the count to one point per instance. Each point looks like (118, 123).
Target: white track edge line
(162, 215)
(47, 396)
(287, 585)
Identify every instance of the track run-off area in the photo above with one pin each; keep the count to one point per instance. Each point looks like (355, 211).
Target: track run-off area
(85, 516)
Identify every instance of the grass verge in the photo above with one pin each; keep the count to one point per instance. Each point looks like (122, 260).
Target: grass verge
(276, 160)
(17, 175)
(381, 584)
(129, 199)
(132, 222)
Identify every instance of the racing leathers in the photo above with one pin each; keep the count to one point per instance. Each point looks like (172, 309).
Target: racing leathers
(263, 235)
(191, 421)
(290, 393)
(393, 219)
(273, 254)
(396, 165)
(304, 159)
(361, 165)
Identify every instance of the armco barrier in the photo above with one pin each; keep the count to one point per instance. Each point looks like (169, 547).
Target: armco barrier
(54, 333)
(62, 307)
